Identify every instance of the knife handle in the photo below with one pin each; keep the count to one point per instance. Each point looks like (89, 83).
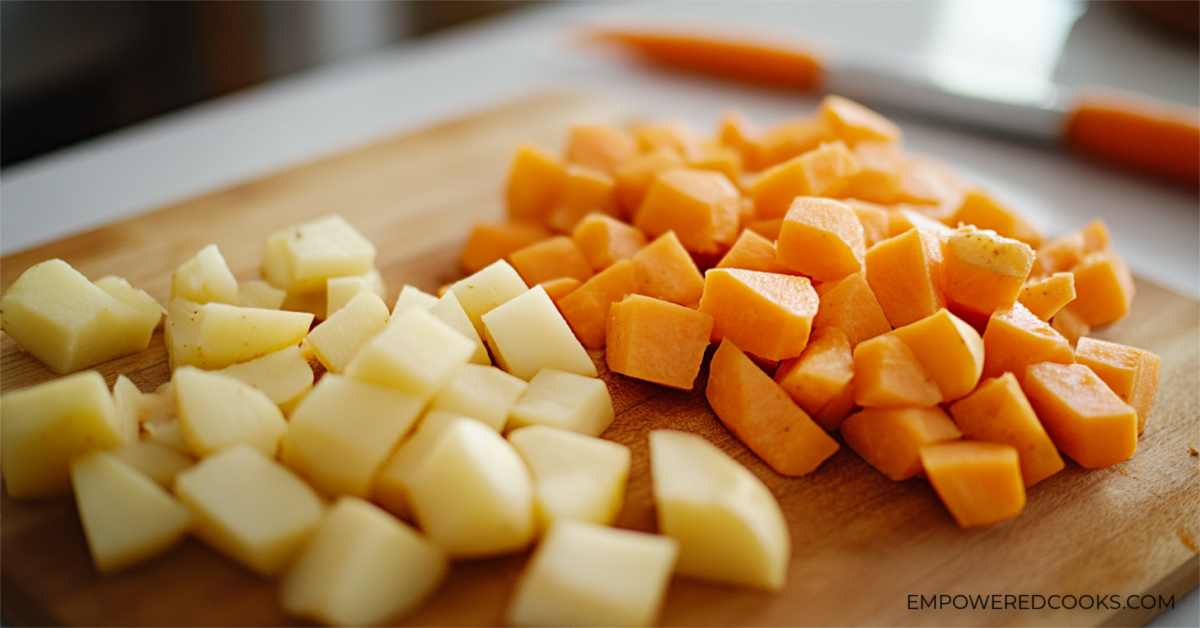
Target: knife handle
(1137, 132)
(764, 63)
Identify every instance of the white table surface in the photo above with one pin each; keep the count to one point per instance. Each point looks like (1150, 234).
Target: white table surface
(1156, 227)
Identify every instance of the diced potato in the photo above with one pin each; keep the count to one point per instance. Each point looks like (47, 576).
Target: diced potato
(155, 460)
(127, 517)
(417, 354)
(729, 527)
(47, 425)
(148, 314)
(302, 258)
(340, 290)
(410, 297)
(487, 289)
(216, 335)
(391, 485)
(585, 574)
(284, 376)
(362, 568)
(68, 322)
(482, 392)
(564, 400)
(574, 476)
(127, 400)
(259, 293)
(449, 310)
(250, 507)
(205, 278)
(338, 339)
(166, 432)
(342, 433)
(528, 333)
(216, 411)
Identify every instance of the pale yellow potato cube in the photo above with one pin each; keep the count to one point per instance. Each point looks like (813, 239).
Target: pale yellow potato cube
(147, 313)
(261, 294)
(363, 567)
(127, 400)
(47, 425)
(417, 354)
(231, 334)
(303, 257)
(574, 476)
(343, 432)
(127, 518)
(481, 392)
(205, 278)
(168, 433)
(284, 376)
(181, 333)
(528, 333)
(68, 322)
(155, 460)
(584, 574)
(339, 290)
(158, 405)
(391, 484)
(472, 494)
(451, 312)
(216, 411)
(411, 297)
(336, 341)
(250, 507)
(486, 290)
(729, 526)
(564, 400)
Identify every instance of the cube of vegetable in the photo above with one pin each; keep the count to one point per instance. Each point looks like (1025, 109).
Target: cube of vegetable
(1130, 372)
(890, 439)
(528, 334)
(1085, 419)
(980, 483)
(284, 376)
(416, 353)
(949, 348)
(767, 314)
(982, 271)
(534, 182)
(216, 411)
(905, 274)
(983, 210)
(483, 291)
(887, 374)
(586, 309)
(340, 290)
(849, 304)
(481, 392)
(301, 258)
(604, 240)
(657, 341)
(664, 270)
(1103, 289)
(700, 206)
(449, 310)
(338, 339)
(998, 411)
(852, 122)
(391, 484)
(584, 190)
(550, 259)
(599, 146)
(565, 400)
(819, 375)
(752, 251)
(574, 476)
(205, 278)
(1046, 296)
(154, 460)
(1015, 339)
(493, 241)
(821, 238)
(634, 177)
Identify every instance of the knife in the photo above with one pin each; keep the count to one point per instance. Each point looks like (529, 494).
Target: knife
(1125, 129)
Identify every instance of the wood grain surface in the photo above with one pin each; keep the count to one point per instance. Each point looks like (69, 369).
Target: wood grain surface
(866, 549)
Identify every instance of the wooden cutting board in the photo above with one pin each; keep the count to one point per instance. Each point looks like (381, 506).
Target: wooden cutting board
(867, 550)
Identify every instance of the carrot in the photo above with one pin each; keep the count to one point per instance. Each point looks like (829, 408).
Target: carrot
(1155, 137)
(979, 483)
(762, 416)
(890, 439)
(657, 341)
(1085, 419)
(586, 308)
(604, 240)
(494, 241)
(887, 374)
(550, 259)
(1130, 372)
(821, 238)
(700, 206)
(767, 314)
(998, 411)
(1015, 339)
(820, 375)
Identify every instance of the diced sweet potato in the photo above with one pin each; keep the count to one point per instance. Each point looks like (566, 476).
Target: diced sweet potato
(980, 483)
(599, 146)
(905, 273)
(850, 305)
(890, 439)
(604, 240)
(833, 413)
(902, 218)
(556, 289)
(586, 308)
(1070, 325)
(738, 133)
(664, 270)
(998, 412)
(788, 139)
(718, 158)
(821, 238)
(1015, 339)
(983, 210)
(1103, 289)
(584, 190)
(768, 229)
(818, 172)
(534, 183)
(657, 341)
(949, 348)
(676, 135)
(887, 374)
(874, 219)
(1130, 372)
(700, 206)
(634, 177)
(1064, 253)
(982, 271)
(767, 314)
(878, 178)
(820, 374)
(491, 242)
(930, 185)
(1085, 419)
(1046, 296)
(753, 252)
(550, 259)
(762, 416)
(852, 122)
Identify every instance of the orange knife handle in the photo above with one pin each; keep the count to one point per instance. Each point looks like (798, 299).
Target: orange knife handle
(1155, 137)
(739, 60)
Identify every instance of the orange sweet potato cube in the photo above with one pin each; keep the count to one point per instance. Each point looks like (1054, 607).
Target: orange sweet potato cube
(657, 341)
(1130, 372)
(584, 191)
(887, 374)
(762, 416)
(850, 305)
(677, 135)
(998, 412)
(633, 178)
(1046, 296)
(586, 308)
(874, 219)
(818, 172)
(905, 273)
(1083, 416)
(878, 179)
(751, 251)
(768, 229)
(949, 348)
(534, 182)
(1064, 253)
(556, 289)
(1070, 325)
(737, 132)
(819, 375)
(700, 206)
(767, 314)
(788, 139)
(664, 270)
(604, 240)
(718, 158)
(890, 439)
(852, 122)
(1103, 289)
(494, 241)
(982, 271)
(930, 184)
(1015, 339)
(833, 413)
(599, 146)
(981, 209)
(979, 483)
(550, 259)
(821, 238)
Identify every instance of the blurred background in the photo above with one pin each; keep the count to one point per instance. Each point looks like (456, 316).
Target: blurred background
(71, 70)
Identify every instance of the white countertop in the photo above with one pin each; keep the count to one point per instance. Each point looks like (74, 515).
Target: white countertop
(1156, 227)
